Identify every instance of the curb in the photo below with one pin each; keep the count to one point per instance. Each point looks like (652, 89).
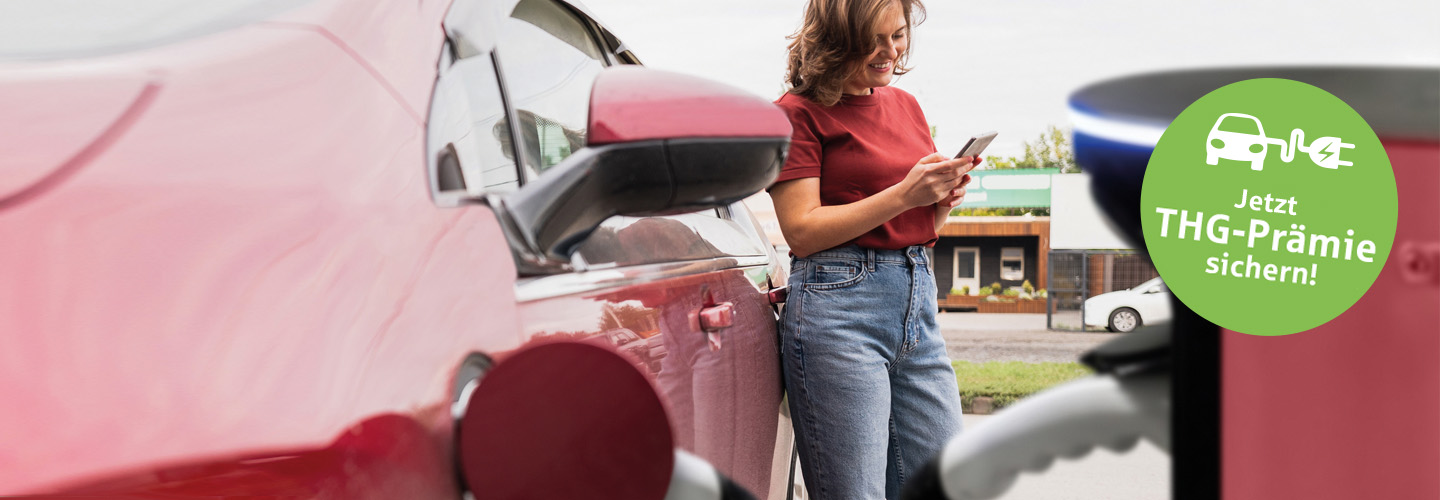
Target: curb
(980, 405)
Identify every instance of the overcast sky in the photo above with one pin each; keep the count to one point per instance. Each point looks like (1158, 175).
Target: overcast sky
(1009, 65)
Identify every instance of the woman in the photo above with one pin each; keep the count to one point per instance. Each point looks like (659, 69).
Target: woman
(872, 393)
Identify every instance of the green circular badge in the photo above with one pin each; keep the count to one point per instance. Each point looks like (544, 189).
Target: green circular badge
(1269, 207)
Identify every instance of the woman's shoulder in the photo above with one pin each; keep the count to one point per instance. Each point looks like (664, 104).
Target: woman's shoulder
(788, 101)
(801, 109)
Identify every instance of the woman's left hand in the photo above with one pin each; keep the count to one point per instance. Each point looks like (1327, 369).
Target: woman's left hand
(957, 195)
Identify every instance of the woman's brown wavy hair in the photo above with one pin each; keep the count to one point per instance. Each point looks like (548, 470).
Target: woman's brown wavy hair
(835, 40)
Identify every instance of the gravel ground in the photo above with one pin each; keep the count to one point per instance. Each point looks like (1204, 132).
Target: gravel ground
(1012, 337)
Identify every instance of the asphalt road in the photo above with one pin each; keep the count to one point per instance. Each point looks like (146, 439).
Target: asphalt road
(1012, 337)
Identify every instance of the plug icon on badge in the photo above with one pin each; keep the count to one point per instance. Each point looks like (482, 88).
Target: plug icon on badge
(1325, 151)
(1241, 137)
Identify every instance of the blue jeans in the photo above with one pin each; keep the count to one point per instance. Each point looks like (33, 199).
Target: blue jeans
(872, 393)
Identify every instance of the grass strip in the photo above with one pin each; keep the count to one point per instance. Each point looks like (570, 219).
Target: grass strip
(1007, 381)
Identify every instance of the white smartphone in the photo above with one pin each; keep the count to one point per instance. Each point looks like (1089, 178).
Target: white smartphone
(976, 144)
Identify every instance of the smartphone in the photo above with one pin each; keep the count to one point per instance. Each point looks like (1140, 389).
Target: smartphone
(976, 145)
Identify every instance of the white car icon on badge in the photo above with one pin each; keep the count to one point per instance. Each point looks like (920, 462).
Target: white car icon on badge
(1242, 139)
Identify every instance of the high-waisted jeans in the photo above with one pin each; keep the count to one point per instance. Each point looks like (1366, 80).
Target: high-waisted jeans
(872, 392)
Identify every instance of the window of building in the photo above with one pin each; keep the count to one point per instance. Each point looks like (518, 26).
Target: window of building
(1012, 263)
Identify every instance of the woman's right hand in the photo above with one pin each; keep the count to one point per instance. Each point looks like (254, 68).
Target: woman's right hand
(933, 179)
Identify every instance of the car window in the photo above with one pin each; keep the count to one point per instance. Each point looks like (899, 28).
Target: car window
(1239, 125)
(549, 59)
(626, 337)
(468, 136)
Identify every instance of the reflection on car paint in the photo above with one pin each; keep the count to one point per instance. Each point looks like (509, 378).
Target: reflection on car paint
(724, 402)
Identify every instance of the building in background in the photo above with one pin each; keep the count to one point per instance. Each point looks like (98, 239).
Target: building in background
(1072, 254)
(976, 251)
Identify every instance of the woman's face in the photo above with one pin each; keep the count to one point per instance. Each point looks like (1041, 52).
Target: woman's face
(891, 39)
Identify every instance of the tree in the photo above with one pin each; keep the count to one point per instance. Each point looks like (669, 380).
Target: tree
(1052, 149)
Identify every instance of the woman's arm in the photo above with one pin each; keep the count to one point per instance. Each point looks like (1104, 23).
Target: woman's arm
(810, 227)
(957, 196)
(942, 214)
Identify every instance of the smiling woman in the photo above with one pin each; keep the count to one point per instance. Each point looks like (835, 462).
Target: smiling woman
(859, 199)
(823, 55)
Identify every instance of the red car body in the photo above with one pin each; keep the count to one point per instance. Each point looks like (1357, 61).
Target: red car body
(225, 272)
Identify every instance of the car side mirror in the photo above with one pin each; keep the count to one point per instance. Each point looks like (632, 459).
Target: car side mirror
(658, 143)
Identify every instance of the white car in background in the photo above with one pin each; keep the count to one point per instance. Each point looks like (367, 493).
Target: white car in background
(1125, 310)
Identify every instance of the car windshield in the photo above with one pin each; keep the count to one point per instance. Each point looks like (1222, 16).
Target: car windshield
(1239, 125)
(1146, 285)
(64, 29)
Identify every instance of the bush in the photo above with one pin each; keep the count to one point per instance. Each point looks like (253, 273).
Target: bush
(995, 286)
(1008, 381)
(1011, 292)
(985, 290)
(992, 298)
(1029, 289)
(956, 291)
(965, 290)
(1043, 294)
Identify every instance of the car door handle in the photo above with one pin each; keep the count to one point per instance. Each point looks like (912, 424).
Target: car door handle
(778, 295)
(718, 316)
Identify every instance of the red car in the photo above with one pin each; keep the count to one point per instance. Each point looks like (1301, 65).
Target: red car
(250, 248)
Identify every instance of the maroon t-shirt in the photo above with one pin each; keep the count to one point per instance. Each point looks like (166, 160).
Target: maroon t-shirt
(859, 147)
